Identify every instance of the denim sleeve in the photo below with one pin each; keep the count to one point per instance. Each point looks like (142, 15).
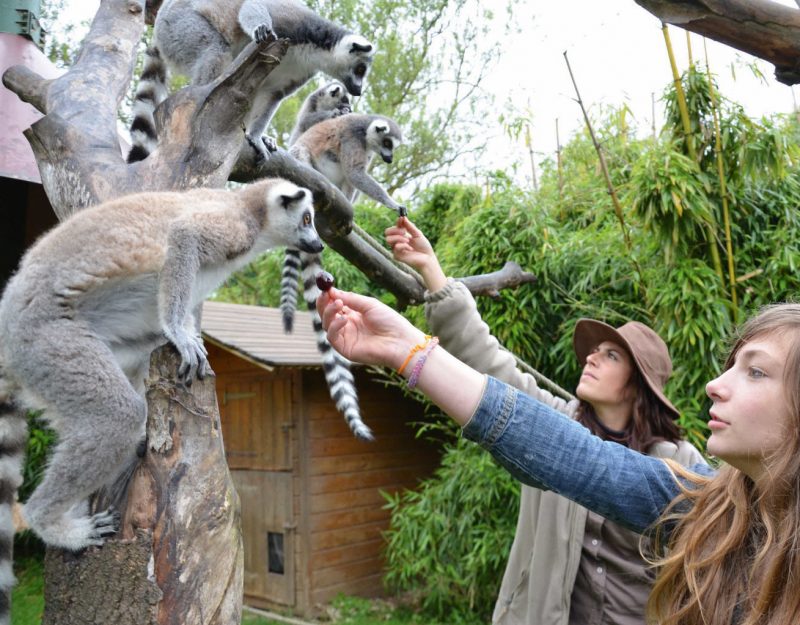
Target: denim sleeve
(542, 448)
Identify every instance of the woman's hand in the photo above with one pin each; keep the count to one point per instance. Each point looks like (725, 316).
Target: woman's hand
(410, 246)
(365, 330)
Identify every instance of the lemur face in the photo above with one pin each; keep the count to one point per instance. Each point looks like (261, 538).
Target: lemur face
(291, 213)
(382, 140)
(356, 54)
(335, 98)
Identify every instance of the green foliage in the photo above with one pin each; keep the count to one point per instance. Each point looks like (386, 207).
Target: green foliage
(40, 441)
(447, 537)
(27, 596)
(669, 192)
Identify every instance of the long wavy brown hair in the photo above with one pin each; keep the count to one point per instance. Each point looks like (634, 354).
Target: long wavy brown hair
(732, 543)
(651, 422)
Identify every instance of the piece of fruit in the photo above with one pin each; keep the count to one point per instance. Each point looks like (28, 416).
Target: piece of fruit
(324, 280)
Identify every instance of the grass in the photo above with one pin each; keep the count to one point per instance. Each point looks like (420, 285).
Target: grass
(27, 598)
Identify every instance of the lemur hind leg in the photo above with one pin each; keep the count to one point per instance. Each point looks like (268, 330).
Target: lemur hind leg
(99, 420)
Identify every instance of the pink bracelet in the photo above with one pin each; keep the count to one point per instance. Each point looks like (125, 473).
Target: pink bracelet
(414, 377)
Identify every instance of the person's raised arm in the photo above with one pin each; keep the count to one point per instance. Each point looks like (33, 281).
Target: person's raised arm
(367, 331)
(409, 245)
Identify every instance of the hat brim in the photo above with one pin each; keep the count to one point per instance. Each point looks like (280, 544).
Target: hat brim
(590, 332)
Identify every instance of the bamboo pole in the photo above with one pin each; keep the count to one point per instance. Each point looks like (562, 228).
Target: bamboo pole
(559, 166)
(653, 111)
(689, 48)
(609, 185)
(722, 187)
(687, 130)
(529, 145)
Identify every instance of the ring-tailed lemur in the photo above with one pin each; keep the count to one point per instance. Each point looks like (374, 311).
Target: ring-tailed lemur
(90, 301)
(341, 149)
(200, 38)
(328, 101)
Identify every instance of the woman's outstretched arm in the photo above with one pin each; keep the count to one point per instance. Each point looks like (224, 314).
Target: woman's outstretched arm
(536, 444)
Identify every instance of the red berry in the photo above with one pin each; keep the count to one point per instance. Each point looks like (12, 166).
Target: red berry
(324, 280)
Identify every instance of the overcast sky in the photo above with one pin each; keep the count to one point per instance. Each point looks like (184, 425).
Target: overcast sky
(618, 55)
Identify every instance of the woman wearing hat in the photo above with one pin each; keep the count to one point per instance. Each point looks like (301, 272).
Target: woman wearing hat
(567, 566)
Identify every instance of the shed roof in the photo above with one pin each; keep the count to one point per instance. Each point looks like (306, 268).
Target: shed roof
(16, 156)
(256, 334)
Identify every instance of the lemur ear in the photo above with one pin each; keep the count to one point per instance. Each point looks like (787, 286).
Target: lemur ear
(335, 91)
(359, 47)
(288, 200)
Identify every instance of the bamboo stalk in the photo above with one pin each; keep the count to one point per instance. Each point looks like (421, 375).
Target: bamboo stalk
(560, 169)
(609, 185)
(529, 144)
(687, 130)
(689, 48)
(722, 187)
(653, 111)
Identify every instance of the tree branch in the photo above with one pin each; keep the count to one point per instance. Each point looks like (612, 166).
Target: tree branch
(763, 28)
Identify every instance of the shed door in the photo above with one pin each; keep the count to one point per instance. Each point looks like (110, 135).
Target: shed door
(269, 534)
(256, 415)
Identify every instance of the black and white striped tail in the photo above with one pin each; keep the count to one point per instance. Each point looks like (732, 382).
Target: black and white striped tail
(152, 90)
(337, 368)
(290, 275)
(13, 441)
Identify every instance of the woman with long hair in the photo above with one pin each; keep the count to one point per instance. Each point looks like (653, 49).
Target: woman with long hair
(726, 542)
(567, 565)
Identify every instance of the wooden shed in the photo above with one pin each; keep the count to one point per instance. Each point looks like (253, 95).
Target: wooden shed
(312, 509)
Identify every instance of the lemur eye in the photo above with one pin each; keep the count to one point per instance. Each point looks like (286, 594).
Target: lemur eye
(306, 219)
(360, 70)
(387, 143)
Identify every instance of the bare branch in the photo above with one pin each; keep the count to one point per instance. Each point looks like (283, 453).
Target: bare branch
(763, 28)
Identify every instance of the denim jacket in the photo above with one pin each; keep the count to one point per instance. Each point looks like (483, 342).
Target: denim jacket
(544, 449)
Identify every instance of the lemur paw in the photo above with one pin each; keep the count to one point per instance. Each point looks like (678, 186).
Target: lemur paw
(402, 211)
(193, 357)
(103, 525)
(262, 33)
(270, 143)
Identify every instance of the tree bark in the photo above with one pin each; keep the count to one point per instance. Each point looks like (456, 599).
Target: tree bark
(765, 29)
(179, 556)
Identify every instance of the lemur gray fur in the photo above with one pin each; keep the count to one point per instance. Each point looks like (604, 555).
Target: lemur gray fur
(340, 148)
(200, 38)
(328, 101)
(78, 321)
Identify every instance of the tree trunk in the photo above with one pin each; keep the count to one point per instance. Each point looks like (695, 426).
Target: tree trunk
(179, 557)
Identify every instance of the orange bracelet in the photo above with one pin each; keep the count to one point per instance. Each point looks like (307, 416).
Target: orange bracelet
(413, 351)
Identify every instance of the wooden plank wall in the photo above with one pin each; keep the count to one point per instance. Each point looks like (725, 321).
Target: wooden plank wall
(336, 479)
(343, 513)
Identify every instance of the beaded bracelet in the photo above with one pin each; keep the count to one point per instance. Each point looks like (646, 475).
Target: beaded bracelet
(413, 351)
(414, 377)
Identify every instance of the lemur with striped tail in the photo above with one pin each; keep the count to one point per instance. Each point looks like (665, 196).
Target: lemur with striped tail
(90, 301)
(200, 38)
(340, 148)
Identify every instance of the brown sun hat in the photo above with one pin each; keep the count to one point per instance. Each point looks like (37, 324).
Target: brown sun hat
(649, 351)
